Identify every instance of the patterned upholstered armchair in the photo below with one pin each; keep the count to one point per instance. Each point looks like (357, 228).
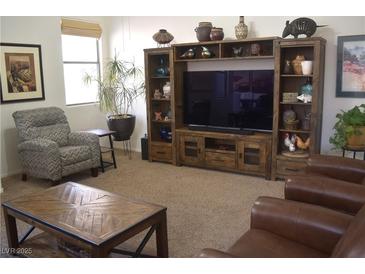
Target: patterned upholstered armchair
(49, 150)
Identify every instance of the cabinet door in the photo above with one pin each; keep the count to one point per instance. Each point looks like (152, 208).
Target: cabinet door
(191, 149)
(252, 156)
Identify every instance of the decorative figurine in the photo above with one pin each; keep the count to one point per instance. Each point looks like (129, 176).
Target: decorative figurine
(237, 51)
(300, 25)
(255, 49)
(241, 29)
(288, 69)
(166, 118)
(307, 121)
(189, 54)
(158, 115)
(301, 144)
(167, 90)
(305, 98)
(163, 38)
(157, 94)
(206, 53)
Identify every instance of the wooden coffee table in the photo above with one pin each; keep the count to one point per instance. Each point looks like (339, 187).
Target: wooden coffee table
(90, 219)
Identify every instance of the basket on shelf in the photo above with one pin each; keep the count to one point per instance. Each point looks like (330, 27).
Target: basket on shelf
(291, 124)
(290, 97)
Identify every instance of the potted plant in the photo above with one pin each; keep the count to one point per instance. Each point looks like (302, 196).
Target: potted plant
(350, 128)
(121, 85)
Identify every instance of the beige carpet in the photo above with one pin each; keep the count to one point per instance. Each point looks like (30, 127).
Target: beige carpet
(205, 208)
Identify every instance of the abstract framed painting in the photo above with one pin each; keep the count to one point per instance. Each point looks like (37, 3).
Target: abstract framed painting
(351, 66)
(21, 77)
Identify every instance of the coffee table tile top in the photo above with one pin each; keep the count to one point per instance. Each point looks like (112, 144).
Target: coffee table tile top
(88, 213)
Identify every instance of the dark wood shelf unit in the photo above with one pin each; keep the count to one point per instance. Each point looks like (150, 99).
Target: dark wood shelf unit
(287, 49)
(163, 150)
(223, 50)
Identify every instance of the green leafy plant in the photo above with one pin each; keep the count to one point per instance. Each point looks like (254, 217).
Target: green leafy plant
(121, 85)
(347, 125)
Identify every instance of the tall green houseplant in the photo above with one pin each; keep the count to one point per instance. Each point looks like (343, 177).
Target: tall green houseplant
(349, 124)
(122, 83)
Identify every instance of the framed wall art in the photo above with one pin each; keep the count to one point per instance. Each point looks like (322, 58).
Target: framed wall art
(351, 66)
(21, 77)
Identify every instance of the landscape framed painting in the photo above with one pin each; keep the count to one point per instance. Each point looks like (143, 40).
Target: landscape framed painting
(351, 66)
(21, 77)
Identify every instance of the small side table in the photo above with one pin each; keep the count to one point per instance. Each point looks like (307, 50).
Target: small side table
(353, 150)
(104, 133)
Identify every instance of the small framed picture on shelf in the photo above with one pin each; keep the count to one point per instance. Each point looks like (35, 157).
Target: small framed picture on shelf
(350, 66)
(21, 73)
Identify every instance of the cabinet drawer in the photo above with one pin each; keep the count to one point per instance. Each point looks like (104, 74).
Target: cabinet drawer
(289, 167)
(161, 153)
(216, 159)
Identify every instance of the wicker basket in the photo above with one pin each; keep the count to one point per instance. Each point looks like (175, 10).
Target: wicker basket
(290, 97)
(291, 125)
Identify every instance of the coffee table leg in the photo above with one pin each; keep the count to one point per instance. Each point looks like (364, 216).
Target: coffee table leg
(11, 229)
(98, 252)
(161, 237)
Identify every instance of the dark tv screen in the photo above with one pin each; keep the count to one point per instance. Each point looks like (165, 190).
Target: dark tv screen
(233, 99)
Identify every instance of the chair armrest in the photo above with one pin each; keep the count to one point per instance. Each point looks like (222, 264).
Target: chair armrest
(331, 193)
(87, 139)
(346, 169)
(38, 145)
(314, 226)
(213, 253)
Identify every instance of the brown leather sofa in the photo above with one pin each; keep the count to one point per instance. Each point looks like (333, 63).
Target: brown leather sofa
(289, 229)
(346, 169)
(333, 182)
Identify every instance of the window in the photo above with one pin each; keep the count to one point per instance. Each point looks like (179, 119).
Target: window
(80, 56)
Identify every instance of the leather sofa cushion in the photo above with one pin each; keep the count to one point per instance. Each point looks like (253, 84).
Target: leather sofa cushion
(352, 243)
(74, 154)
(258, 243)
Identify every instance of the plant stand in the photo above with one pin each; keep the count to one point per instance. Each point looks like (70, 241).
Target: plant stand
(353, 150)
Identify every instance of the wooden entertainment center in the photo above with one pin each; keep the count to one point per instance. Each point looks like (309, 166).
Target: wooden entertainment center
(260, 153)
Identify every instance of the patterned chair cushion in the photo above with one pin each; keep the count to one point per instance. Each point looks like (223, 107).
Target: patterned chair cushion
(57, 133)
(74, 154)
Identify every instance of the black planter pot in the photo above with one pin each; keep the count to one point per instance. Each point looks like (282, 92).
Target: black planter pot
(124, 126)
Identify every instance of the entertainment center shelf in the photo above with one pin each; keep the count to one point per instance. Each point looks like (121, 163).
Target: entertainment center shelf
(261, 153)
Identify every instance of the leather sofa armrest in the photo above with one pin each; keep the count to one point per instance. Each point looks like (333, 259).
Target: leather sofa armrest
(38, 145)
(213, 253)
(331, 193)
(346, 169)
(314, 226)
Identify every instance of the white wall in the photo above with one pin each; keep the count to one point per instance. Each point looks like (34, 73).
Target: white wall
(46, 32)
(130, 35)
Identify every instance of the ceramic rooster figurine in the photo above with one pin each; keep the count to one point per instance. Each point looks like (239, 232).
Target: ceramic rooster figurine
(290, 142)
(301, 144)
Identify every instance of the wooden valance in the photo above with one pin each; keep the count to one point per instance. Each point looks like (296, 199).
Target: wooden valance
(80, 28)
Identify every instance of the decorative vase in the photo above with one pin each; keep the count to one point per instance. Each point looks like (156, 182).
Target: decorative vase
(167, 90)
(307, 88)
(241, 29)
(297, 64)
(288, 69)
(163, 37)
(307, 67)
(216, 34)
(203, 31)
(162, 69)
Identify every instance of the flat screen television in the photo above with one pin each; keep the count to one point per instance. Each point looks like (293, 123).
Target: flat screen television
(236, 100)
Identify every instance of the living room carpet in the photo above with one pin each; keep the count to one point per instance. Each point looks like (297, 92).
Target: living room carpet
(205, 208)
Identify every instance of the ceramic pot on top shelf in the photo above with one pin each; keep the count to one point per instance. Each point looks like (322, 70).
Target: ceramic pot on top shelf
(203, 31)
(241, 29)
(163, 37)
(216, 34)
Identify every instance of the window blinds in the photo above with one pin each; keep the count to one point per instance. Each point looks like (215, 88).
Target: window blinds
(80, 28)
